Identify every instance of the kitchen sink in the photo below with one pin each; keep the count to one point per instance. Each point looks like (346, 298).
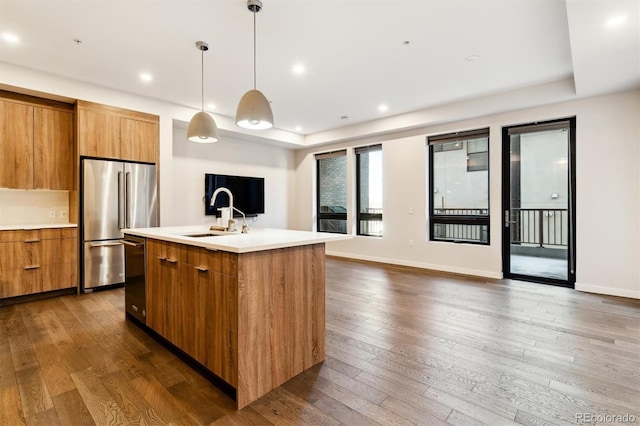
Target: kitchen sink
(202, 235)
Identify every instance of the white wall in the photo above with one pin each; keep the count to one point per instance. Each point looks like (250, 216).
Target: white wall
(608, 234)
(191, 161)
(26, 207)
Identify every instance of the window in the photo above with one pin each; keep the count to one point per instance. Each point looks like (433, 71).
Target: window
(459, 187)
(332, 191)
(369, 188)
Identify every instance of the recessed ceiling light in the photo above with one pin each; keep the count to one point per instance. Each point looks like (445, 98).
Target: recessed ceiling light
(383, 108)
(298, 69)
(10, 38)
(145, 76)
(211, 105)
(472, 58)
(616, 21)
(298, 128)
(406, 42)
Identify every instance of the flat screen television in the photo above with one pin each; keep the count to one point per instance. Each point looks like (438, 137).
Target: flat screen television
(248, 194)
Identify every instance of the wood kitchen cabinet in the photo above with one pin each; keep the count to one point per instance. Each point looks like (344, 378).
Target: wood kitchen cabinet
(53, 150)
(192, 302)
(33, 261)
(36, 143)
(254, 319)
(109, 132)
(16, 145)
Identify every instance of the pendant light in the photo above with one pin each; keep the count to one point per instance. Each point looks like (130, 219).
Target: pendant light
(202, 127)
(254, 111)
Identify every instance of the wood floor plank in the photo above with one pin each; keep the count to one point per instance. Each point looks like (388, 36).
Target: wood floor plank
(72, 410)
(11, 412)
(96, 397)
(134, 408)
(44, 418)
(34, 394)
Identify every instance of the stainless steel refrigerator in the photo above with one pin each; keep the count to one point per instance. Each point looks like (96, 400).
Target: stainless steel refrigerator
(116, 195)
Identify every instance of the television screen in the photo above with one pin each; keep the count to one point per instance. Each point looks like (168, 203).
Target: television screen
(248, 194)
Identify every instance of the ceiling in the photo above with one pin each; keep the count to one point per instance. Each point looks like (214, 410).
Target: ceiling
(408, 55)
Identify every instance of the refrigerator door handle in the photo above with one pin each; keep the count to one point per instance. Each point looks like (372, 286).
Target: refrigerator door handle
(110, 244)
(127, 204)
(120, 201)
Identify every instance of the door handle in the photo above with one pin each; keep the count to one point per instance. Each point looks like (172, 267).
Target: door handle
(120, 201)
(127, 191)
(506, 219)
(129, 243)
(96, 245)
(35, 240)
(26, 268)
(201, 269)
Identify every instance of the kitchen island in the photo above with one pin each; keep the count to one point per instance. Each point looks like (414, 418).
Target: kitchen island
(250, 308)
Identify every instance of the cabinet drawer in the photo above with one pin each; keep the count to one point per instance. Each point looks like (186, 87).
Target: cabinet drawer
(167, 250)
(59, 276)
(213, 260)
(20, 235)
(56, 233)
(18, 282)
(19, 254)
(63, 250)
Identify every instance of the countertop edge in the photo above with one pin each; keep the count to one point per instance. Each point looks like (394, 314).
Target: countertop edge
(37, 226)
(315, 238)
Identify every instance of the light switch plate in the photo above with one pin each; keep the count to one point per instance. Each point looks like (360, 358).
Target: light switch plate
(52, 213)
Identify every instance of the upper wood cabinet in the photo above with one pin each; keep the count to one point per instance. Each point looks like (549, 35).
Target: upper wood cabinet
(53, 156)
(16, 145)
(36, 144)
(110, 132)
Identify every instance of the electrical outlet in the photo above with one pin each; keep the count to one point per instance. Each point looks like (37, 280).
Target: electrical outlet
(410, 210)
(63, 214)
(52, 213)
(410, 243)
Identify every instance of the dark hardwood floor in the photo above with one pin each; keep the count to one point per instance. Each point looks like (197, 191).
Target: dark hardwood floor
(404, 347)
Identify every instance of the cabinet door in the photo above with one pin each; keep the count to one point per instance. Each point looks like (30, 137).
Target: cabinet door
(99, 134)
(156, 297)
(185, 308)
(19, 282)
(217, 314)
(138, 140)
(16, 145)
(53, 149)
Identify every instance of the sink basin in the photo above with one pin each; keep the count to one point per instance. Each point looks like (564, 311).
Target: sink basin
(202, 235)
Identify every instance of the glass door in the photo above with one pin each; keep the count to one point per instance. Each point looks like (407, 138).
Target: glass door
(538, 202)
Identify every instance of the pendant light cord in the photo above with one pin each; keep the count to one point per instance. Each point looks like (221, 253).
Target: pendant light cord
(202, 77)
(254, 50)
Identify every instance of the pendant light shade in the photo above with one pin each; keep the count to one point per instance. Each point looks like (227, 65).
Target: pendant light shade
(254, 110)
(202, 127)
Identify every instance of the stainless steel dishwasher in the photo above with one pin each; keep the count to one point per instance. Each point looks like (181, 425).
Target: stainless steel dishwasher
(135, 285)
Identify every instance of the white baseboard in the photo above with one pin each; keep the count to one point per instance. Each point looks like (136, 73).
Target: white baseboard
(610, 291)
(433, 267)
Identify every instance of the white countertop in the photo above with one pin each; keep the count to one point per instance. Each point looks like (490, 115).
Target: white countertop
(37, 226)
(256, 240)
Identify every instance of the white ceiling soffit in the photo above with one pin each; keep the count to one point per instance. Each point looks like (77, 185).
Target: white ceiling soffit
(354, 53)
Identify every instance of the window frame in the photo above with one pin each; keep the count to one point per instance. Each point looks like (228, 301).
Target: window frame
(327, 215)
(360, 216)
(454, 219)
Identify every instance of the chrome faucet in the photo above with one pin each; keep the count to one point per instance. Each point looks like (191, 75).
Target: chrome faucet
(231, 222)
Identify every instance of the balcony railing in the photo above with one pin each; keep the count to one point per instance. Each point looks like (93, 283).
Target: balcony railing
(540, 227)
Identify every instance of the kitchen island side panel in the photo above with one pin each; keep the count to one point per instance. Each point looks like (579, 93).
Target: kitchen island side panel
(281, 317)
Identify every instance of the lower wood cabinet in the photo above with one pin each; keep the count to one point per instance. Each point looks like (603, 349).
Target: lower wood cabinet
(192, 304)
(34, 261)
(254, 319)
